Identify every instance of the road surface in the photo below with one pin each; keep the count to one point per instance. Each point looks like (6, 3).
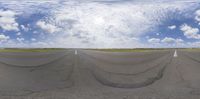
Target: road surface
(87, 74)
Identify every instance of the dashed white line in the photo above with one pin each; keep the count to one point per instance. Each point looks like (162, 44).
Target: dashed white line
(75, 52)
(175, 54)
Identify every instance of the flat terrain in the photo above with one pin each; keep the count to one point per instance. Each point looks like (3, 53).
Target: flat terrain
(30, 50)
(100, 74)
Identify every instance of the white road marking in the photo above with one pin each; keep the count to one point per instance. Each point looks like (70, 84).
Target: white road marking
(76, 52)
(175, 54)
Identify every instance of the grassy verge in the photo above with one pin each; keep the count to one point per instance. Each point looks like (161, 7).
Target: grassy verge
(29, 50)
(127, 50)
(191, 49)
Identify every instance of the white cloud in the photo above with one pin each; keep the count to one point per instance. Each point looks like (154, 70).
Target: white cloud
(49, 28)
(33, 39)
(170, 40)
(172, 27)
(24, 28)
(166, 42)
(96, 24)
(190, 32)
(195, 44)
(179, 41)
(20, 39)
(7, 20)
(3, 38)
(35, 32)
(19, 33)
(41, 44)
(99, 24)
(197, 16)
(154, 40)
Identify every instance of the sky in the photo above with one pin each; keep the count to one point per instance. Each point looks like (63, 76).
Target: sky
(99, 23)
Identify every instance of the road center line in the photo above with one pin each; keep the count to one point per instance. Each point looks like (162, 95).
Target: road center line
(76, 52)
(175, 54)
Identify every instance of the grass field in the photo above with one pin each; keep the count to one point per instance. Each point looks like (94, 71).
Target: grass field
(128, 50)
(29, 50)
(191, 49)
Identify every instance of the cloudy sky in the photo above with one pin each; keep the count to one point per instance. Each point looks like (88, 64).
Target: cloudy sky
(99, 23)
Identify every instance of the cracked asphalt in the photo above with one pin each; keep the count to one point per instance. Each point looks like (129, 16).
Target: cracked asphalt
(87, 74)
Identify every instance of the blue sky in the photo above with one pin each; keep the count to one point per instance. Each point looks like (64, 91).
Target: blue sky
(99, 23)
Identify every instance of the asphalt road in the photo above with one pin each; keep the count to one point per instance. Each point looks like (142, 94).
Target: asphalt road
(86, 74)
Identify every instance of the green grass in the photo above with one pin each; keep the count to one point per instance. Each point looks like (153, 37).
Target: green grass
(191, 49)
(29, 50)
(127, 50)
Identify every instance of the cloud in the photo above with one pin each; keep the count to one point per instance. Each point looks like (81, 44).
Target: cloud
(157, 34)
(49, 28)
(166, 42)
(179, 41)
(172, 27)
(3, 38)
(195, 44)
(170, 40)
(197, 17)
(20, 39)
(33, 39)
(24, 28)
(19, 33)
(41, 44)
(7, 20)
(100, 24)
(190, 32)
(94, 24)
(154, 40)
